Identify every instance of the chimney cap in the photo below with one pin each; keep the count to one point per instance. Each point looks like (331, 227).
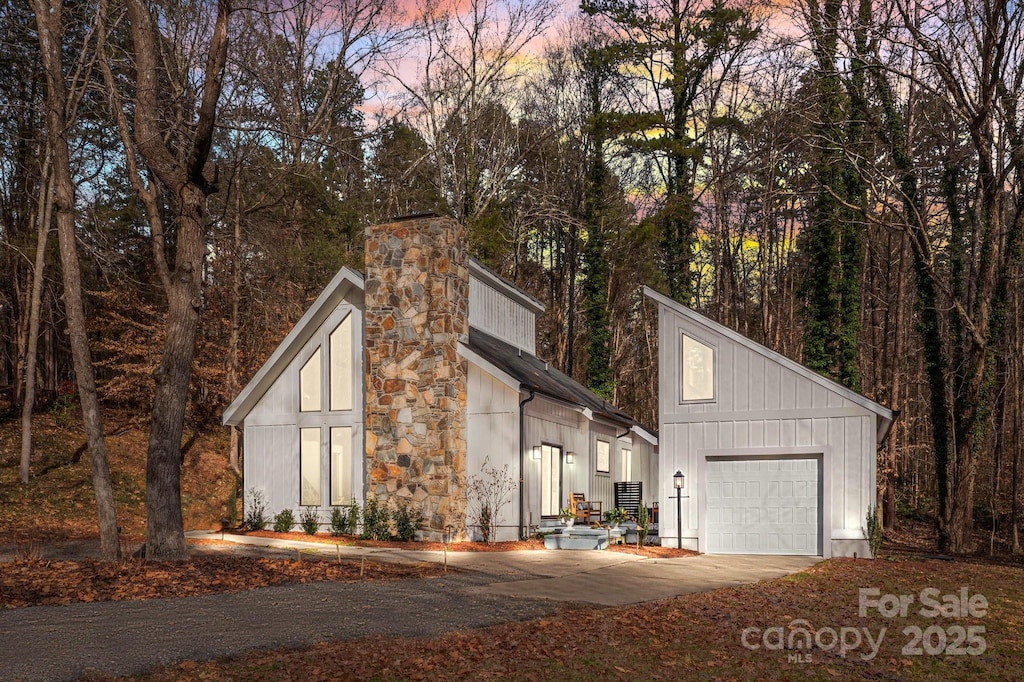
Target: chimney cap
(414, 216)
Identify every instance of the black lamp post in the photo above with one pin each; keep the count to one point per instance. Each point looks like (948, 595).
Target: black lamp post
(678, 480)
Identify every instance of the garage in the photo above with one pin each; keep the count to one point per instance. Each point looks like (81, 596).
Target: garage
(764, 505)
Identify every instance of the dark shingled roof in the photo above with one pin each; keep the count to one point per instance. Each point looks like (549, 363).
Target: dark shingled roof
(536, 375)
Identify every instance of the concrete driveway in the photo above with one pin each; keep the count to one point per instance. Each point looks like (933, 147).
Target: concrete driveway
(596, 577)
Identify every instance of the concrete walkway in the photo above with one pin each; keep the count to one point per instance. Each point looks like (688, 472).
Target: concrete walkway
(120, 638)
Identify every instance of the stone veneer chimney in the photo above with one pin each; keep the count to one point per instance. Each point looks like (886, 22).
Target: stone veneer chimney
(417, 308)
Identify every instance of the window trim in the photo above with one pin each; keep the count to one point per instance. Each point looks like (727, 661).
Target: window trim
(682, 370)
(597, 457)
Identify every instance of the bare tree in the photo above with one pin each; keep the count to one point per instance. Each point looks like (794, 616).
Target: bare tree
(175, 151)
(61, 103)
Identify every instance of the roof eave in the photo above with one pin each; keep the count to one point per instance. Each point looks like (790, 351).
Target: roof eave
(339, 288)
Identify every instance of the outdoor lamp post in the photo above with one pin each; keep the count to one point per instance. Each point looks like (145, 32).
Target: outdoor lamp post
(678, 480)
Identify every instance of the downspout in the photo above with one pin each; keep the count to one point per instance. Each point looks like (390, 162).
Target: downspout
(522, 464)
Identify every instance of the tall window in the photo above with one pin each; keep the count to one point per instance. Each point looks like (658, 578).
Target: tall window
(550, 480)
(341, 366)
(309, 466)
(627, 465)
(341, 465)
(310, 384)
(698, 363)
(603, 456)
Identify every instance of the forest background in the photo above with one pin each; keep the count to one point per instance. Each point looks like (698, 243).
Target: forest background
(837, 179)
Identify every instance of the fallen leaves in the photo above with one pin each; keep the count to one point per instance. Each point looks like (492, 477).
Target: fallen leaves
(64, 582)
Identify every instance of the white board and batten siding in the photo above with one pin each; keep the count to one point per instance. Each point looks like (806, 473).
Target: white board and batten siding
(493, 439)
(493, 310)
(271, 435)
(548, 422)
(774, 443)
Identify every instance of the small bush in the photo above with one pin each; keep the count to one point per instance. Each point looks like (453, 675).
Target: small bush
(643, 524)
(407, 521)
(353, 518)
(284, 521)
(376, 520)
(345, 523)
(255, 510)
(338, 522)
(310, 520)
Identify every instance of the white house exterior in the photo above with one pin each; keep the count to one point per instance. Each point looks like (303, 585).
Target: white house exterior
(447, 383)
(777, 459)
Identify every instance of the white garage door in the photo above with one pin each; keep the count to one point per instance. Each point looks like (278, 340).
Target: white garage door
(763, 506)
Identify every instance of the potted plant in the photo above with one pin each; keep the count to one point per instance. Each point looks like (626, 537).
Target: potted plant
(567, 517)
(614, 517)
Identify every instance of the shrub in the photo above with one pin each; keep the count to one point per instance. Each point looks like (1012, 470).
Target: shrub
(376, 520)
(284, 521)
(486, 496)
(643, 524)
(353, 518)
(255, 510)
(309, 519)
(338, 522)
(616, 515)
(873, 531)
(407, 521)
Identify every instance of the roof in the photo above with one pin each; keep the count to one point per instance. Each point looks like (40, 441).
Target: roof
(886, 415)
(536, 375)
(344, 283)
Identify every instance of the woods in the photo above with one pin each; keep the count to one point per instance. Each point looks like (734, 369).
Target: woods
(840, 180)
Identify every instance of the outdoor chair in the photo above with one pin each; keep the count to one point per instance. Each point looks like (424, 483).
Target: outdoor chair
(586, 511)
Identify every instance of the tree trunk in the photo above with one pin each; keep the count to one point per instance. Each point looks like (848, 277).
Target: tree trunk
(48, 19)
(236, 295)
(29, 396)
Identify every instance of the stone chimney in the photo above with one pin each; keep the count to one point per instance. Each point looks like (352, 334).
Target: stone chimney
(417, 308)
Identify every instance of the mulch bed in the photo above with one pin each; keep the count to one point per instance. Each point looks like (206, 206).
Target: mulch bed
(521, 545)
(39, 582)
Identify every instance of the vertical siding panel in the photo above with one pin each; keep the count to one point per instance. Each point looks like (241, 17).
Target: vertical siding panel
(787, 383)
(854, 471)
(803, 432)
(742, 434)
(726, 435)
(711, 435)
(820, 396)
(772, 386)
(741, 378)
(836, 438)
(788, 433)
(804, 393)
(820, 432)
(725, 375)
(756, 383)
(772, 433)
(757, 433)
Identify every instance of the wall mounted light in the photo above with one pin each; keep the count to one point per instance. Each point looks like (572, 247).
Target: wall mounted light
(536, 452)
(570, 458)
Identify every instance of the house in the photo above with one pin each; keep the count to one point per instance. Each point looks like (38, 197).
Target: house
(401, 383)
(775, 458)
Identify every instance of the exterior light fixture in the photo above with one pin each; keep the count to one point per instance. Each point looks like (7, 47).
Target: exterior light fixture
(570, 457)
(536, 452)
(678, 480)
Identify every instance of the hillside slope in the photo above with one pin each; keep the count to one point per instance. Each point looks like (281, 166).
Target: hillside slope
(58, 501)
